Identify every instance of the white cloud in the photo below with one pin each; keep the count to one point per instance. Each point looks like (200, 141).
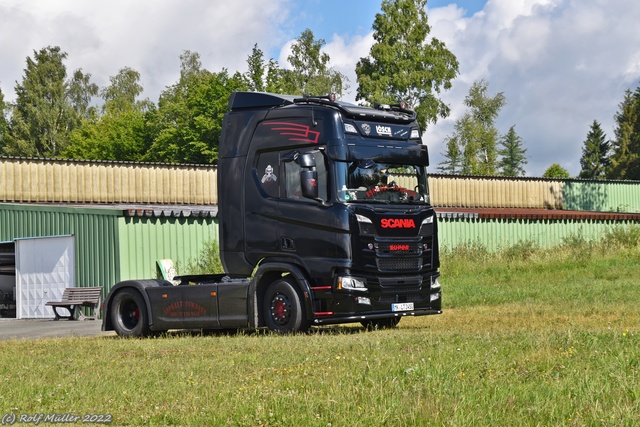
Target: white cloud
(146, 35)
(560, 63)
(344, 54)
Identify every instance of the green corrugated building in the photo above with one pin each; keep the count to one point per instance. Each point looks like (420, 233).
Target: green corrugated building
(112, 221)
(111, 243)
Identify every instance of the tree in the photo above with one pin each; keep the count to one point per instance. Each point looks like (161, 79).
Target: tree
(453, 157)
(4, 127)
(311, 73)
(513, 155)
(555, 171)
(475, 133)
(405, 64)
(122, 132)
(122, 93)
(268, 77)
(121, 136)
(625, 157)
(42, 117)
(274, 80)
(190, 113)
(595, 154)
(80, 93)
(256, 73)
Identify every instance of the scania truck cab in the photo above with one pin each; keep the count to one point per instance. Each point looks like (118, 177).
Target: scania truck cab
(324, 218)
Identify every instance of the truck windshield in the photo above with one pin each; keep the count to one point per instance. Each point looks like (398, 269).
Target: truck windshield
(369, 181)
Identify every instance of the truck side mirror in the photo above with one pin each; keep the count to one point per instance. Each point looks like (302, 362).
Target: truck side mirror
(308, 176)
(309, 184)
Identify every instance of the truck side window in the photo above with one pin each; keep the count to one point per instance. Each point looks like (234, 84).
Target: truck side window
(292, 188)
(268, 173)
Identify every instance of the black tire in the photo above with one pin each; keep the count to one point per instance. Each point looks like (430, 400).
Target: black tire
(283, 308)
(129, 314)
(386, 323)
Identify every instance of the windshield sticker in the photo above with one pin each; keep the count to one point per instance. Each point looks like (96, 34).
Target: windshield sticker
(269, 176)
(384, 130)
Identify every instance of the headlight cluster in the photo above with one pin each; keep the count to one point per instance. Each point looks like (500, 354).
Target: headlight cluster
(365, 225)
(351, 283)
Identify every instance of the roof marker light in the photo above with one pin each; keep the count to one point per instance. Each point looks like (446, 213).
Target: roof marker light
(349, 128)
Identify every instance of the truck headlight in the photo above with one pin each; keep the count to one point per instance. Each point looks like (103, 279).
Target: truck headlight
(351, 283)
(365, 225)
(350, 128)
(428, 220)
(363, 300)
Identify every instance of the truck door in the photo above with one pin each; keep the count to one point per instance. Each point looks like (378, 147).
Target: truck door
(305, 229)
(261, 202)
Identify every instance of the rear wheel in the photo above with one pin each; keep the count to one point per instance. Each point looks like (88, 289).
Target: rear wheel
(129, 314)
(283, 308)
(386, 323)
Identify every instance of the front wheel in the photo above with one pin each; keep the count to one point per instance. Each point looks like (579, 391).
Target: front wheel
(283, 308)
(129, 314)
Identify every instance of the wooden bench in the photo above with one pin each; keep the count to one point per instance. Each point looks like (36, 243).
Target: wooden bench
(74, 298)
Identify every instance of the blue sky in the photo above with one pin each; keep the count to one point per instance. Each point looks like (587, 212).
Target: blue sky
(353, 17)
(561, 64)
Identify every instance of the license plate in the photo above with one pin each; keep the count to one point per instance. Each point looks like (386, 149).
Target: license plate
(405, 306)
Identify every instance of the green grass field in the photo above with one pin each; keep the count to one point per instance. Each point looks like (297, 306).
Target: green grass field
(528, 337)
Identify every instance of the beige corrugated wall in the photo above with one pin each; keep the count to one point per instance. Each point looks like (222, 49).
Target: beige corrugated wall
(488, 192)
(69, 181)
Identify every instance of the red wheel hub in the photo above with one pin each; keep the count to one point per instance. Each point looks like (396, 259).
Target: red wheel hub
(280, 308)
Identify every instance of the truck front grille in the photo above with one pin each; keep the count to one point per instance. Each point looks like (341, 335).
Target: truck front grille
(390, 299)
(399, 264)
(395, 248)
(400, 281)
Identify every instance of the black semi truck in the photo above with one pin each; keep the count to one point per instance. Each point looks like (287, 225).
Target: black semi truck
(324, 218)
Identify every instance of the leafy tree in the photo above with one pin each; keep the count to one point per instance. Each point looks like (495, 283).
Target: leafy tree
(121, 136)
(267, 77)
(122, 93)
(80, 93)
(595, 154)
(513, 155)
(122, 132)
(453, 157)
(3, 120)
(475, 133)
(625, 157)
(405, 64)
(274, 81)
(555, 171)
(257, 70)
(42, 117)
(190, 113)
(311, 72)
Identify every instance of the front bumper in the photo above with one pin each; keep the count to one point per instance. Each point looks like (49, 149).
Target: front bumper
(336, 319)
